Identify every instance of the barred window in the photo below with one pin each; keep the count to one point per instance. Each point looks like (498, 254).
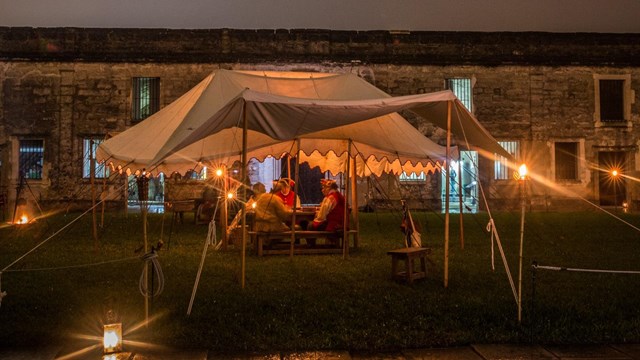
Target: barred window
(145, 98)
(501, 164)
(611, 100)
(89, 153)
(31, 158)
(413, 177)
(461, 88)
(566, 164)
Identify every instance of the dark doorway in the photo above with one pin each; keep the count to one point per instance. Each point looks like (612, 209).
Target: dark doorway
(612, 185)
(309, 182)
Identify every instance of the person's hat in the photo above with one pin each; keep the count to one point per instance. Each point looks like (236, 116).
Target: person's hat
(285, 182)
(327, 182)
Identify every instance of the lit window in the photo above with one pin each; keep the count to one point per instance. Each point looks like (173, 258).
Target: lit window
(566, 160)
(195, 175)
(501, 164)
(88, 153)
(413, 177)
(31, 159)
(612, 99)
(461, 88)
(145, 98)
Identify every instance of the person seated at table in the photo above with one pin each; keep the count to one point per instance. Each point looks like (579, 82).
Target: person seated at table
(270, 213)
(286, 194)
(330, 215)
(257, 189)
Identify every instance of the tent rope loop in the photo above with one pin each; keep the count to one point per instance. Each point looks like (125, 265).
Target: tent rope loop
(151, 257)
(490, 227)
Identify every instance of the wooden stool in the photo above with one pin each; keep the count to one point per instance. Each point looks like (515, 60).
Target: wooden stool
(408, 255)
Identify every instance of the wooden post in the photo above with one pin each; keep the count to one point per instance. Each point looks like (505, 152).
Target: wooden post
(345, 233)
(446, 201)
(295, 191)
(244, 190)
(103, 193)
(223, 211)
(126, 193)
(92, 176)
(461, 204)
(522, 211)
(354, 202)
(143, 210)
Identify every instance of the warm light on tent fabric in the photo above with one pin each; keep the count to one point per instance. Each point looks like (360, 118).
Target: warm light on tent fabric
(323, 110)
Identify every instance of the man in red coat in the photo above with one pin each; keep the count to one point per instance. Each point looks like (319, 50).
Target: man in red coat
(288, 197)
(330, 215)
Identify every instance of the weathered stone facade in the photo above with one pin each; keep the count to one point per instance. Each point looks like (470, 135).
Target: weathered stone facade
(64, 84)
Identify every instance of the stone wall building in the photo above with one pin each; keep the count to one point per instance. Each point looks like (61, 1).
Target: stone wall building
(564, 103)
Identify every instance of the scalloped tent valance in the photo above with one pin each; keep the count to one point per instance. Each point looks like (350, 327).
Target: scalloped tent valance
(324, 111)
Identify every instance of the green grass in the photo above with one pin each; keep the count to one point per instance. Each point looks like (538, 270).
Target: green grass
(327, 302)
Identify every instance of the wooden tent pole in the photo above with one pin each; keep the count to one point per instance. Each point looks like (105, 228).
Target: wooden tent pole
(92, 177)
(460, 199)
(223, 211)
(103, 193)
(244, 190)
(126, 193)
(446, 200)
(354, 201)
(345, 221)
(295, 191)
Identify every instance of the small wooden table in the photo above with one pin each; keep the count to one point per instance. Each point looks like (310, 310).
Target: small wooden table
(408, 255)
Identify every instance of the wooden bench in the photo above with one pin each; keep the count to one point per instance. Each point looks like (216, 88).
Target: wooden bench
(280, 242)
(409, 255)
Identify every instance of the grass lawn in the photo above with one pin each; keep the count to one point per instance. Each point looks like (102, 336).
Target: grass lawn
(325, 301)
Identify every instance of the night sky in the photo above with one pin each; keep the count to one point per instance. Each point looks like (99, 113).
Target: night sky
(616, 16)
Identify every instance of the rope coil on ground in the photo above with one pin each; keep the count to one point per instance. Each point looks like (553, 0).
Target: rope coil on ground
(151, 257)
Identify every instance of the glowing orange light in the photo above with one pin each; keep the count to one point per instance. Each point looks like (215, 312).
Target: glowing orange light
(614, 172)
(230, 195)
(219, 172)
(112, 340)
(24, 219)
(253, 205)
(522, 170)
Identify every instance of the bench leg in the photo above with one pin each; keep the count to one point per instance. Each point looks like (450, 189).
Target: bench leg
(260, 243)
(409, 266)
(394, 267)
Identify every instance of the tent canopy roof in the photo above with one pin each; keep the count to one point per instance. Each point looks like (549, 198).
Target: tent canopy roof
(326, 112)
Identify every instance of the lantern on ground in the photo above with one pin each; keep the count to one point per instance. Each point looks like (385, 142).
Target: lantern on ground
(20, 214)
(112, 339)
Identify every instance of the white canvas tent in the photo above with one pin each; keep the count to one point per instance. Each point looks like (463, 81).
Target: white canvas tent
(234, 114)
(322, 110)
